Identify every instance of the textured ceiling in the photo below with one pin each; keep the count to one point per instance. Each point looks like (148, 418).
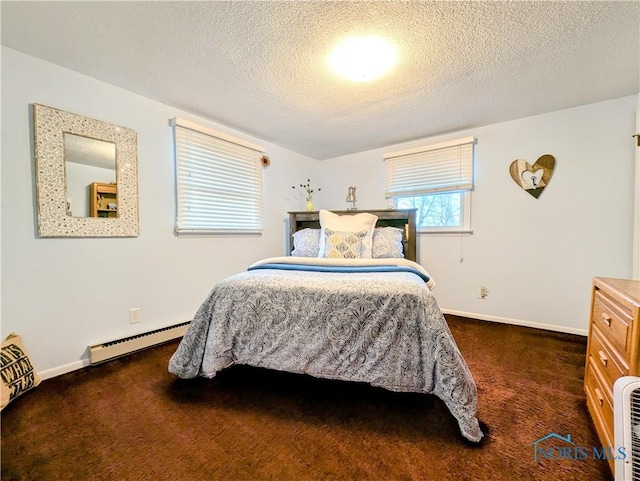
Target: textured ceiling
(261, 66)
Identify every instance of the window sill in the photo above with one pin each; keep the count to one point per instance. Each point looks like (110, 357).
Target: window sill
(445, 232)
(217, 233)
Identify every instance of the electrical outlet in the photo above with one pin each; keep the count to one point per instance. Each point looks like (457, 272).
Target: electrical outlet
(134, 315)
(483, 292)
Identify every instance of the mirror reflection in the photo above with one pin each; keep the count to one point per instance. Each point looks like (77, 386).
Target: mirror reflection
(75, 156)
(90, 173)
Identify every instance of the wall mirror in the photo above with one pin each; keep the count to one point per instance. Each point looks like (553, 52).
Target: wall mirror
(86, 176)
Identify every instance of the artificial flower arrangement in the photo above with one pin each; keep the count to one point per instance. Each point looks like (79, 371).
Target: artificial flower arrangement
(307, 188)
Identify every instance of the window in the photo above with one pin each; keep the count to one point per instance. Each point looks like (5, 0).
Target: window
(218, 182)
(435, 179)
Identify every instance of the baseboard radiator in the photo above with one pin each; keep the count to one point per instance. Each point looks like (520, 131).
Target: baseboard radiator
(121, 347)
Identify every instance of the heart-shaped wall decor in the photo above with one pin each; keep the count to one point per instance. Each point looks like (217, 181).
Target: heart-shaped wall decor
(533, 178)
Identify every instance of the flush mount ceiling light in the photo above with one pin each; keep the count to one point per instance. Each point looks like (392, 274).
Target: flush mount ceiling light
(363, 58)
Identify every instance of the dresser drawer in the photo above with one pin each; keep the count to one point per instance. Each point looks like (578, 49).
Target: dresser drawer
(613, 348)
(599, 402)
(607, 360)
(612, 323)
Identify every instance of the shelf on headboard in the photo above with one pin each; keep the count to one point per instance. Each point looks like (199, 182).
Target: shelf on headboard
(404, 219)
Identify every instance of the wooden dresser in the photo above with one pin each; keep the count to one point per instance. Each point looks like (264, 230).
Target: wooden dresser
(612, 349)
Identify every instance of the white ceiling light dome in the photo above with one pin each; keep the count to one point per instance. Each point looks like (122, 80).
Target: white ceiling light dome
(363, 58)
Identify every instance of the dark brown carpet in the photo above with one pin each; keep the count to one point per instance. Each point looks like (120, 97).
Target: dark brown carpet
(130, 420)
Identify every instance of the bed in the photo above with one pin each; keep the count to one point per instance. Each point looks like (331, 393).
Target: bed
(350, 303)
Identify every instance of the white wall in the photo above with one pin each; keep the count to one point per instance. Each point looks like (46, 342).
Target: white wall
(636, 230)
(536, 256)
(62, 295)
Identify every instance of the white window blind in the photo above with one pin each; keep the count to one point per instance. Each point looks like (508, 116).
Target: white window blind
(443, 167)
(218, 182)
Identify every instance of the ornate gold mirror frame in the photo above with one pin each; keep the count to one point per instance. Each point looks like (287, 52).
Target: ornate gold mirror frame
(54, 218)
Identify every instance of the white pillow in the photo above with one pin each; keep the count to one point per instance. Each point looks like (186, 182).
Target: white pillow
(306, 243)
(387, 243)
(348, 223)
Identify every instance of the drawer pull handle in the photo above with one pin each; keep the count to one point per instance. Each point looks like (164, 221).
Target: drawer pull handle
(603, 358)
(606, 318)
(600, 397)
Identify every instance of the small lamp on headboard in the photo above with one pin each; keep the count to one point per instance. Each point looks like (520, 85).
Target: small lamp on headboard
(351, 197)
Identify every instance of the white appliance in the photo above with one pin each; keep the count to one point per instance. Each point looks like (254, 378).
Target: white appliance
(626, 428)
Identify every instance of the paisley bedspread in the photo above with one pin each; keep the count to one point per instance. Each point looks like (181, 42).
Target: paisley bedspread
(382, 328)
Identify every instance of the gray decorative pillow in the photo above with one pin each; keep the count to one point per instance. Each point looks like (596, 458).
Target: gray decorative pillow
(387, 242)
(343, 245)
(306, 243)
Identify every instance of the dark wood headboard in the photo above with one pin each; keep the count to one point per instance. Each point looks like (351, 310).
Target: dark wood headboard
(404, 219)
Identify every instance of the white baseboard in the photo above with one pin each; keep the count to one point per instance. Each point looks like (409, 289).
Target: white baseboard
(518, 322)
(84, 362)
(73, 366)
(58, 371)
